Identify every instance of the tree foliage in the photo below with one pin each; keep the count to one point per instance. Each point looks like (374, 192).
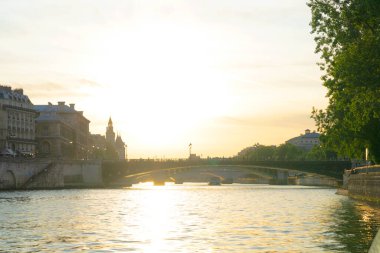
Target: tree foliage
(285, 152)
(258, 152)
(107, 153)
(347, 36)
(320, 153)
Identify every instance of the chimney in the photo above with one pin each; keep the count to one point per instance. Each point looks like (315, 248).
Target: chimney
(72, 106)
(61, 103)
(307, 131)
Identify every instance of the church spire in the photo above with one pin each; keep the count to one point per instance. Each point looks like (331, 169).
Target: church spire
(110, 134)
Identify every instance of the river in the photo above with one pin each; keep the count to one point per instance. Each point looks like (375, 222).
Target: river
(186, 218)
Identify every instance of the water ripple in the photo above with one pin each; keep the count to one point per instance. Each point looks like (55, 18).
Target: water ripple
(186, 218)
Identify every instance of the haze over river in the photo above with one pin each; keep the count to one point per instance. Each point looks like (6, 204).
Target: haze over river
(186, 218)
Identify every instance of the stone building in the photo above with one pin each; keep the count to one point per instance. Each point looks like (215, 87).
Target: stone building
(17, 126)
(117, 142)
(120, 147)
(61, 131)
(305, 141)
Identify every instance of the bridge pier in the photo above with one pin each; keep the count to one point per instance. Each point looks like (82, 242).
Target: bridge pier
(229, 180)
(280, 178)
(178, 180)
(158, 182)
(159, 179)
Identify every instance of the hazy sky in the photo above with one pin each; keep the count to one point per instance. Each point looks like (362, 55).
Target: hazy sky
(222, 75)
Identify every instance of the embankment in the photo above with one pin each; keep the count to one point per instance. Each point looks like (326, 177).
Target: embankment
(48, 173)
(363, 183)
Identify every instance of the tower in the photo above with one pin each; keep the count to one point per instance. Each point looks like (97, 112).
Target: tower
(116, 144)
(110, 134)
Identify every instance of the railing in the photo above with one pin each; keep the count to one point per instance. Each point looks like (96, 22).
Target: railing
(365, 169)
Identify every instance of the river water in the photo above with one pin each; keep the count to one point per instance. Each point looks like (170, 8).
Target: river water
(186, 218)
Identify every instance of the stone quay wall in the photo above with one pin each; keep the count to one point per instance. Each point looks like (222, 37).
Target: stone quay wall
(363, 183)
(26, 174)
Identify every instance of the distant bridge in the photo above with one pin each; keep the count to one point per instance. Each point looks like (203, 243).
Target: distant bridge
(227, 170)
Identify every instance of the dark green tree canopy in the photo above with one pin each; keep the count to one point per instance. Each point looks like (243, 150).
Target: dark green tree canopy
(285, 152)
(347, 35)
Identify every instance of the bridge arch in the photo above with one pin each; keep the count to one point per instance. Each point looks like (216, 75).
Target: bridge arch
(231, 173)
(8, 180)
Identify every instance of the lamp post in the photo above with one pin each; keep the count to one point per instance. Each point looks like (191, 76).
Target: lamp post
(366, 159)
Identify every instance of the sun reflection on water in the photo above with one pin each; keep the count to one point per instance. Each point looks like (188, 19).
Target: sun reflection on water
(159, 216)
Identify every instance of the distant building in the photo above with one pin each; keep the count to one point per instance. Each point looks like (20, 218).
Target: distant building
(61, 131)
(110, 134)
(116, 142)
(305, 141)
(120, 147)
(17, 125)
(194, 157)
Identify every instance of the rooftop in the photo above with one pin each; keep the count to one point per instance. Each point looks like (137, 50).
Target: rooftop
(60, 107)
(307, 135)
(49, 111)
(6, 92)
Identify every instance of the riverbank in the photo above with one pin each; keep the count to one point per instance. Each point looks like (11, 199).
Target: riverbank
(362, 183)
(25, 174)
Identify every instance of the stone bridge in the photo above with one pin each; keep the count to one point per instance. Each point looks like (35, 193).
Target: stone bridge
(228, 170)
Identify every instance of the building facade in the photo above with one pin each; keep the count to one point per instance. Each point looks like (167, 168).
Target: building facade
(120, 147)
(62, 132)
(305, 141)
(17, 121)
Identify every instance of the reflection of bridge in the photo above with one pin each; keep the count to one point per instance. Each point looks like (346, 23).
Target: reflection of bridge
(228, 170)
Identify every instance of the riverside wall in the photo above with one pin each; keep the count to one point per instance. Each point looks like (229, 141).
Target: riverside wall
(48, 173)
(315, 180)
(363, 183)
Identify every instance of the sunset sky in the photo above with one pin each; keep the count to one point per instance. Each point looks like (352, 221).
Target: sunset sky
(222, 75)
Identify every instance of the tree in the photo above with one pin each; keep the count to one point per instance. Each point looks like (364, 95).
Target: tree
(262, 153)
(288, 151)
(258, 152)
(347, 35)
(320, 152)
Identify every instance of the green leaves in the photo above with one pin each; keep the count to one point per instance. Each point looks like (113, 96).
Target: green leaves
(347, 36)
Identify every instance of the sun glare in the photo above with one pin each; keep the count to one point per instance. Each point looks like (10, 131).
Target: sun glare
(160, 78)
